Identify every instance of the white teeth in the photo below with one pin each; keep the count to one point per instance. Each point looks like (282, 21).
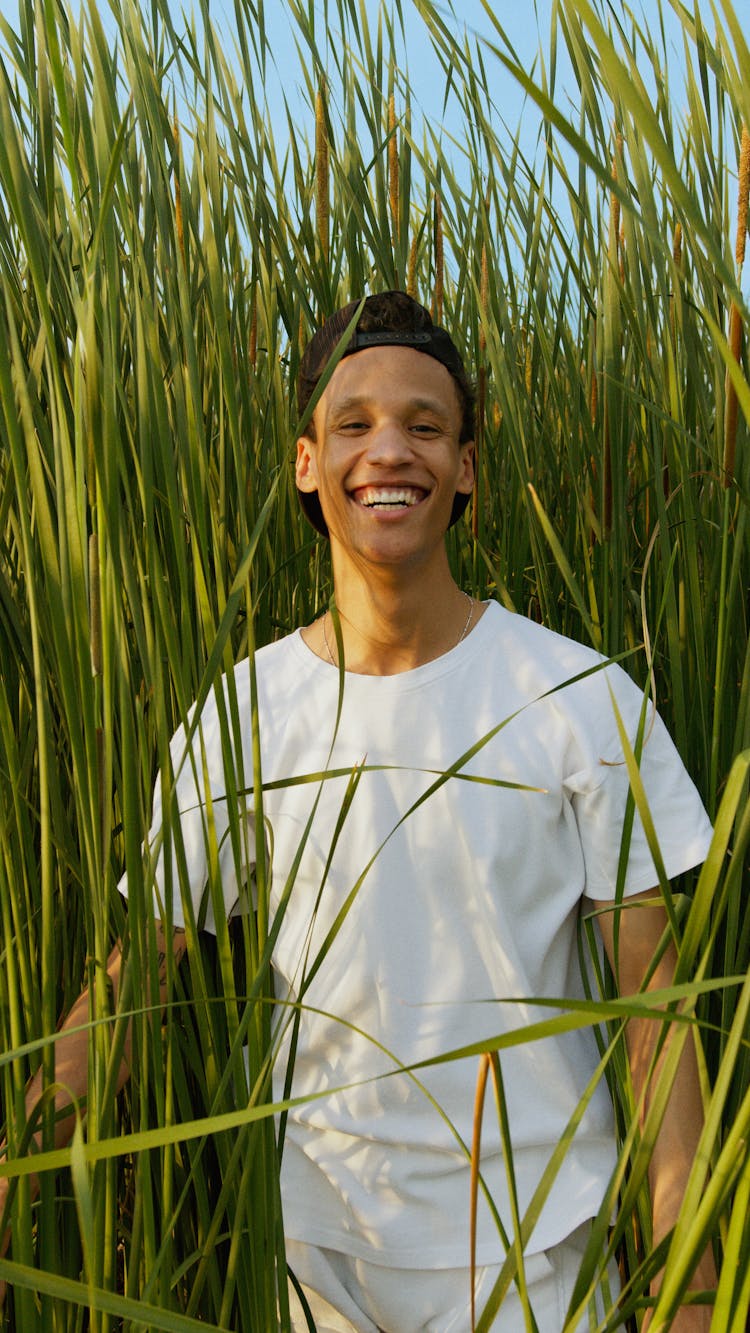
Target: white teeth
(382, 497)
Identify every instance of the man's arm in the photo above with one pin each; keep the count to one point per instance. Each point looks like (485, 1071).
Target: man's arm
(639, 931)
(71, 1059)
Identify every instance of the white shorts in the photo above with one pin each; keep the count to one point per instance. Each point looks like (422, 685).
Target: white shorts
(348, 1295)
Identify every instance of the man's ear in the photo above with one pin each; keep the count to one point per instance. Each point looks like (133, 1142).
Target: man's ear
(465, 484)
(305, 469)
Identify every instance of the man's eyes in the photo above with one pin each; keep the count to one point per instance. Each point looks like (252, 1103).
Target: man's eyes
(356, 425)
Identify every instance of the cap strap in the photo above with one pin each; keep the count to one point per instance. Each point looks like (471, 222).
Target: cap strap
(380, 336)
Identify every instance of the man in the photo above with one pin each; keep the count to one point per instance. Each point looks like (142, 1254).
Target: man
(489, 793)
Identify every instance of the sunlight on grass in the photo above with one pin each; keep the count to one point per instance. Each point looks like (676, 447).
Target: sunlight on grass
(163, 261)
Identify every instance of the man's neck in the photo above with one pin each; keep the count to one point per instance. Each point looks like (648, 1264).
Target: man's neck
(392, 622)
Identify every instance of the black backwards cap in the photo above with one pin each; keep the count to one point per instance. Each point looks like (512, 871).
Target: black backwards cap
(388, 319)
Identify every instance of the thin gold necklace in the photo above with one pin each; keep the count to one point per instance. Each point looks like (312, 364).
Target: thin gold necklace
(460, 638)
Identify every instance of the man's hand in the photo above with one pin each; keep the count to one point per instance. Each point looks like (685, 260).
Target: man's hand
(689, 1319)
(642, 922)
(71, 1061)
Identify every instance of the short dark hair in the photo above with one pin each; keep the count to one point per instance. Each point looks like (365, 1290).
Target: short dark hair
(387, 319)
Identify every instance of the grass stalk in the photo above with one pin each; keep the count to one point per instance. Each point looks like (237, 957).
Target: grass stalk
(736, 326)
(166, 248)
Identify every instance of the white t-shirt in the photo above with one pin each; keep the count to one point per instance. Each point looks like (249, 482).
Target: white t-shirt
(468, 903)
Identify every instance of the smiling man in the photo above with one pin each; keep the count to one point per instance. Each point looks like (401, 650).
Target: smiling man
(468, 885)
(474, 894)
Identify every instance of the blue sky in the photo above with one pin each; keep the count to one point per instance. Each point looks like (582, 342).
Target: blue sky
(526, 26)
(525, 22)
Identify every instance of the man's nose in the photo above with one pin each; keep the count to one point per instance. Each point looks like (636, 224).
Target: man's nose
(389, 442)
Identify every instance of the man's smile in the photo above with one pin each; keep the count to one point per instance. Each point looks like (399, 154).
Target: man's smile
(388, 497)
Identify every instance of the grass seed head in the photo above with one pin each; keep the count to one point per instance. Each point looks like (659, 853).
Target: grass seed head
(411, 273)
(744, 197)
(322, 169)
(614, 202)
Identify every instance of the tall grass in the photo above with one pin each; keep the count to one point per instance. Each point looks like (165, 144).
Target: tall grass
(164, 255)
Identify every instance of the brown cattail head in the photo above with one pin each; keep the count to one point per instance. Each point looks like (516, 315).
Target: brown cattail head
(594, 390)
(744, 197)
(321, 169)
(614, 221)
(614, 202)
(528, 362)
(411, 274)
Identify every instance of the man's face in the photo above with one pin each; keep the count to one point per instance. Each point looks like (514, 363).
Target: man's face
(386, 461)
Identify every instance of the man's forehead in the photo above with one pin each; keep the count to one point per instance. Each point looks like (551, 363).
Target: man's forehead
(418, 401)
(380, 376)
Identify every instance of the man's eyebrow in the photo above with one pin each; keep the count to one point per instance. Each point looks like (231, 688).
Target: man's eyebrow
(358, 400)
(430, 405)
(348, 404)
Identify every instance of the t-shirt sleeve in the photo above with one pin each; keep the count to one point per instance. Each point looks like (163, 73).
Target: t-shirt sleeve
(599, 787)
(203, 852)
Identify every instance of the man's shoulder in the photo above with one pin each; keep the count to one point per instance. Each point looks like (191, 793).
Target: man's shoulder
(278, 665)
(540, 663)
(532, 643)
(273, 654)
